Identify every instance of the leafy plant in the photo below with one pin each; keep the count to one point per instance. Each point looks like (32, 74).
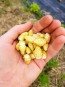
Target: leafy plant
(44, 77)
(52, 64)
(63, 25)
(34, 8)
(63, 76)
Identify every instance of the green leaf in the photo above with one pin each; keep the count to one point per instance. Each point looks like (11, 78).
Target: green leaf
(52, 63)
(44, 79)
(34, 8)
(63, 77)
(63, 25)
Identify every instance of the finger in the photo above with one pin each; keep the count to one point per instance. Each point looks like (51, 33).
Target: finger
(54, 25)
(42, 23)
(55, 46)
(12, 34)
(40, 63)
(58, 32)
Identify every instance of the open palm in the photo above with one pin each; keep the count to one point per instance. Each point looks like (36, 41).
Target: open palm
(14, 72)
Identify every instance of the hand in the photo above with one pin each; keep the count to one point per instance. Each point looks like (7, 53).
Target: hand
(13, 71)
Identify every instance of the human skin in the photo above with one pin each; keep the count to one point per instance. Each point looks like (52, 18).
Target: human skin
(13, 71)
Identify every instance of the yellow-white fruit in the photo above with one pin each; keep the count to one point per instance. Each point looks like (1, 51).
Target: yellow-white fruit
(30, 45)
(45, 47)
(43, 55)
(22, 47)
(47, 37)
(32, 56)
(38, 52)
(22, 36)
(28, 51)
(29, 39)
(27, 58)
(33, 46)
(30, 33)
(17, 46)
(40, 41)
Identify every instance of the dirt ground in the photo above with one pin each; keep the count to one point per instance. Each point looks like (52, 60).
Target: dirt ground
(14, 14)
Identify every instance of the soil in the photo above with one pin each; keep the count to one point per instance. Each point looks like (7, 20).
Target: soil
(13, 15)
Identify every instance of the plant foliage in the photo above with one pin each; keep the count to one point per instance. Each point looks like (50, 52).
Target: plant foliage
(52, 63)
(63, 25)
(34, 8)
(63, 77)
(44, 77)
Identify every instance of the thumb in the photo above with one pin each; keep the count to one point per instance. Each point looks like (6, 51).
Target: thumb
(13, 33)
